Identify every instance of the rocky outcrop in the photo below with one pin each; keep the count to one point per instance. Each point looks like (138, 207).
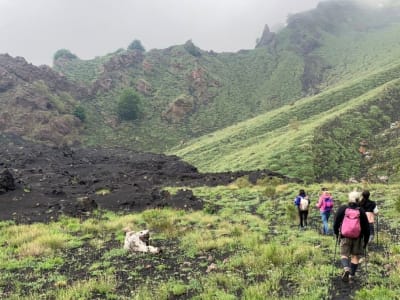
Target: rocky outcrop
(202, 86)
(144, 87)
(6, 181)
(123, 60)
(267, 38)
(179, 109)
(37, 102)
(17, 71)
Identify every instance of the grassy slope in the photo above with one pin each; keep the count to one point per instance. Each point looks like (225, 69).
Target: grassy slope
(356, 53)
(249, 233)
(281, 139)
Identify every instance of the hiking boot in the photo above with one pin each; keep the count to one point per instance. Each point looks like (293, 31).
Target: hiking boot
(351, 278)
(346, 275)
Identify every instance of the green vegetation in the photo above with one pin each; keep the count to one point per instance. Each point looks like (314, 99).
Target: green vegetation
(300, 97)
(136, 45)
(80, 113)
(322, 144)
(64, 53)
(128, 105)
(248, 247)
(192, 49)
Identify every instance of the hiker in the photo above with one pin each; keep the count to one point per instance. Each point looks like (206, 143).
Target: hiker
(302, 202)
(371, 210)
(352, 228)
(325, 206)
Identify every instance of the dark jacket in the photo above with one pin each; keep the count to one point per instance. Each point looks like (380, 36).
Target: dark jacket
(368, 205)
(363, 221)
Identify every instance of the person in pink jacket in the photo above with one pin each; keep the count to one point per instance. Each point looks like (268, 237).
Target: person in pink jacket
(325, 205)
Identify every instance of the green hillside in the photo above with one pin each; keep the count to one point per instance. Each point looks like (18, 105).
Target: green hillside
(315, 138)
(298, 93)
(335, 42)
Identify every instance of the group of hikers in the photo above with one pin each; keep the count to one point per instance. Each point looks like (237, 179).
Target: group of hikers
(353, 224)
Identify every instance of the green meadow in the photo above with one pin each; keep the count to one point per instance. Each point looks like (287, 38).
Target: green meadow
(244, 244)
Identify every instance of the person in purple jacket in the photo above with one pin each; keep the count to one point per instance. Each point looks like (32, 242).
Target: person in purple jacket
(325, 206)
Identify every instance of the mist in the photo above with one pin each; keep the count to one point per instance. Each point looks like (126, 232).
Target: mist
(36, 29)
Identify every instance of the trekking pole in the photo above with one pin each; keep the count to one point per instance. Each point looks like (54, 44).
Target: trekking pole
(377, 230)
(334, 256)
(366, 264)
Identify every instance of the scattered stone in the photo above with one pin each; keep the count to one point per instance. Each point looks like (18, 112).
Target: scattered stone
(212, 267)
(6, 181)
(139, 241)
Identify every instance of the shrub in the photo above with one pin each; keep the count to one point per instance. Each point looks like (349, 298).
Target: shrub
(80, 113)
(136, 45)
(242, 182)
(64, 53)
(128, 105)
(192, 49)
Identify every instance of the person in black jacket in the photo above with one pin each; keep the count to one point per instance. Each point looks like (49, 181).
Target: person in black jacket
(351, 247)
(302, 203)
(371, 210)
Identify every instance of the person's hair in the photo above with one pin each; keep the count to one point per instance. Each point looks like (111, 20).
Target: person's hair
(365, 195)
(354, 197)
(302, 193)
(324, 189)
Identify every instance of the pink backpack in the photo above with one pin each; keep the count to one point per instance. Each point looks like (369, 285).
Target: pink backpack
(351, 227)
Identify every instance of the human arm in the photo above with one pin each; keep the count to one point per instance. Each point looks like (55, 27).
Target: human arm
(365, 231)
(375, 210)
(338, 220)
(319, 203)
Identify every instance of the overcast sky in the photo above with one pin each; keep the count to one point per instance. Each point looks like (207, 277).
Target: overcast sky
(36, 29)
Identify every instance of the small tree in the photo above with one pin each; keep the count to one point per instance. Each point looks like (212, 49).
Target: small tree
(136, 45)
(128, 105)
(65, 53)
(80, 113)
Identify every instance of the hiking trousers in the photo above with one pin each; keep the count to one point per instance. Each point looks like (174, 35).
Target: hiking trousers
(303, 214)
(325, 218)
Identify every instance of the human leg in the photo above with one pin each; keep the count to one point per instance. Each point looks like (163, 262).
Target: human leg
(300, 219)
(345, 247)
(356, 251)
(371, 232)
(324, 217)
(305, 217)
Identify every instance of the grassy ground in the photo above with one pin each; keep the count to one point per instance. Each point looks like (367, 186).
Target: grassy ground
(245, 244)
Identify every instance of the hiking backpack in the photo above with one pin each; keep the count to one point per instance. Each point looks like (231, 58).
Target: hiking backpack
(328, 204)
(351, 227)
(303, 204)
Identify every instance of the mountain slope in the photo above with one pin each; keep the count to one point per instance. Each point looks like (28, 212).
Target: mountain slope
(187, 92)
(315, 138)
(306, 82)
(38, 103)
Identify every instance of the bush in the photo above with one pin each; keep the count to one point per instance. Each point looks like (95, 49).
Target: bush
(192, 49)
(136, 45)
(243, 182)
(80, 113)
(64, 53)
(128, 105)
